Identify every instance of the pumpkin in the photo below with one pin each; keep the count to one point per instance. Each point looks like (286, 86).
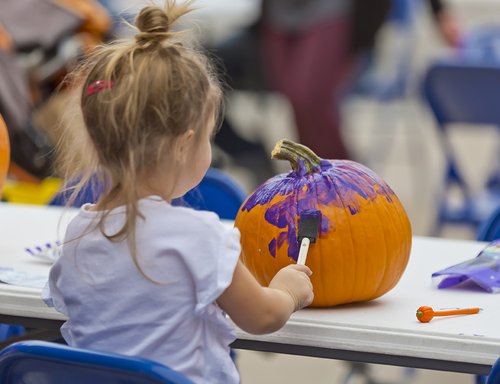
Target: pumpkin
(364, 239)
(4, 153)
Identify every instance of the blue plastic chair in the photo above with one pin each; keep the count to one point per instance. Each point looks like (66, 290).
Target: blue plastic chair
(218, 192)
(89, 194)
(42, 362)
(494, 375)
(464, 91)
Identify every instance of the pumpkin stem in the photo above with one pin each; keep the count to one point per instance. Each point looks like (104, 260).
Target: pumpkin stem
(297, 154)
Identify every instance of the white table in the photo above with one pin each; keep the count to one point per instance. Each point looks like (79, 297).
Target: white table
(383, 331)
(386, 331)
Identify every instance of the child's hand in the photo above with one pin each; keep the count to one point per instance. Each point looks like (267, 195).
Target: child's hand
(294, 280)
(266, 309)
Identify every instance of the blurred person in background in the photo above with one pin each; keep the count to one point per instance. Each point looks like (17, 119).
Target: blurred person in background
(310, 51)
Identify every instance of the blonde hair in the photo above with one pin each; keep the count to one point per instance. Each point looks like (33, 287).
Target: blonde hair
(154, 88)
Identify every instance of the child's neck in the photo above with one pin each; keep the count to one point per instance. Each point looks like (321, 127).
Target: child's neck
(152, 183)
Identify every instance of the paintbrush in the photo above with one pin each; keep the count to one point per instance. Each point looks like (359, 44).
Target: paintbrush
(309, 222)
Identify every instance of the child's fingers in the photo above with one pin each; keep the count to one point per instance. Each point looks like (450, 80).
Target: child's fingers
(301, 268)
(309, 299)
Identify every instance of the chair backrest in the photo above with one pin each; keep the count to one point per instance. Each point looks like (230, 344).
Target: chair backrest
(489, 230)
(89, 194)
(466, 91)
(218, 192)
(42, 362)
(463, 92)
(494, 375)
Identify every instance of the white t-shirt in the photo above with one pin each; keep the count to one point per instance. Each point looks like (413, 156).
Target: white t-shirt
(172, 317)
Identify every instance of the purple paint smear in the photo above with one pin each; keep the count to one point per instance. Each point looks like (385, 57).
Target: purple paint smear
(337, 183)
(483, 271)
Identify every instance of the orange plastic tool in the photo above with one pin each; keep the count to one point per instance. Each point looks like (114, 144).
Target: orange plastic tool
(425, 314)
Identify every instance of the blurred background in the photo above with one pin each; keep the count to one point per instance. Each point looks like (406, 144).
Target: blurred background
(409, 88)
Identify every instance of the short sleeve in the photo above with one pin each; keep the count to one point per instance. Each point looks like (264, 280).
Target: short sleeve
(50, 294)
(46, 296)
(219, 261)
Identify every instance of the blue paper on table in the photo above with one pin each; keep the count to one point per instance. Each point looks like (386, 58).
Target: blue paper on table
(483, 270)
(22, 278)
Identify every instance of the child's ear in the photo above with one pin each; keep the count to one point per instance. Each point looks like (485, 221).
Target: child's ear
(183, 145)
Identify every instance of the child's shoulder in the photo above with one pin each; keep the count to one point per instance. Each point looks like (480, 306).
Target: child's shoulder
(182, 216)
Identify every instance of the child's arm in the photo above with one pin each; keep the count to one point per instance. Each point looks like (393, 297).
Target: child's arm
(257, 309)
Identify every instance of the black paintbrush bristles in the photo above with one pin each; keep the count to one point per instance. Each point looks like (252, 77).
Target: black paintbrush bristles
(309, 223)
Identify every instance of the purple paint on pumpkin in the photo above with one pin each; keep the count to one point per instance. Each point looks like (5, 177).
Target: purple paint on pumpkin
(337, 182)
(281, 238)
(279, 214)
(272, 247)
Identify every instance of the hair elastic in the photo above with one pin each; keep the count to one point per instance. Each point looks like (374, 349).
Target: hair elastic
(97, 86)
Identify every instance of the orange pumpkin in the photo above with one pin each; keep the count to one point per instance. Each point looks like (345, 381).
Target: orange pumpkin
(4, 153)
(364, 239)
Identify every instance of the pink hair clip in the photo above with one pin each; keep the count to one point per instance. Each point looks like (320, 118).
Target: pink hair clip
(97, 86)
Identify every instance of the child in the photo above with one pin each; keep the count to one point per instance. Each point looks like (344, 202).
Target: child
(138, 276)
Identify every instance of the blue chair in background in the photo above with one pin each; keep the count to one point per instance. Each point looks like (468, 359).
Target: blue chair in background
(464, 91)
(42, 362)
(218, 192)
(89, 194)
(489, 229)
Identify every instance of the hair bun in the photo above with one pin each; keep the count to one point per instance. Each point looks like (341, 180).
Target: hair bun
(154, 23)
(152, 19)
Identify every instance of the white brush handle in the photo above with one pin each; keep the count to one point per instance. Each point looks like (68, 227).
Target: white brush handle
(304, 247)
